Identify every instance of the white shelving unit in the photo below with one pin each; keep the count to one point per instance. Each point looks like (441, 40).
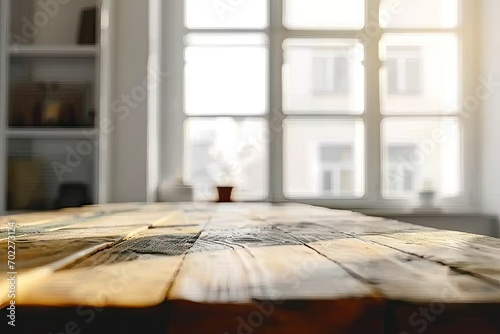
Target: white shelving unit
(34, 133)
(49, 63)
(54, 50)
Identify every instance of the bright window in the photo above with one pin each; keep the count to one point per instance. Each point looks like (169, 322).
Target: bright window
(344, 100)
(315, 149)
(323, 76)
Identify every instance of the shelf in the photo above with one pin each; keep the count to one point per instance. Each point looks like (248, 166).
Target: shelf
(53, 50)
(32, 54)
(52, 133)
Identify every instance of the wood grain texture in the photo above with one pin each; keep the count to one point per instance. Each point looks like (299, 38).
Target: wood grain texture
(45, 248)
(257, 268)
(129, 219)
(40, 222)
(136, 272)
(400, 276)
(40, 255)
(37, 222)
(470, 253)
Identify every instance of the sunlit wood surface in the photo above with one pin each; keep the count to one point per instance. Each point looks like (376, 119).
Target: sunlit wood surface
(246, 268)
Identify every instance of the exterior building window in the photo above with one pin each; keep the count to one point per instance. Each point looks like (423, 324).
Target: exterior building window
(336, 169)
(404, 70)
(330, 75)
(403, 177)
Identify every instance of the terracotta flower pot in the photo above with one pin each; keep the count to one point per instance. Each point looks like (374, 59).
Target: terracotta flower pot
(224, 194)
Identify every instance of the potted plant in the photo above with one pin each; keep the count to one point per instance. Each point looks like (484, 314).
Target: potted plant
(226, 171)
(223, 174)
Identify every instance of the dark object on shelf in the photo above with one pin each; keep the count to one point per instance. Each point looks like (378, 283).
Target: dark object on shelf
(49, 104)
(72, 195)
(87, 33)
(91, 118)
(224, 194)
(25, 190)
(55, 114)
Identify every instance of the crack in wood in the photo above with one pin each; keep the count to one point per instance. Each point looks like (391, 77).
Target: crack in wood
(352, 273)
(456, 269)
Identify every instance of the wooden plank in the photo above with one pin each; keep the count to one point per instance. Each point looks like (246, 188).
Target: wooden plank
(168, 207)
(109, 207)
(38, 256)
(48, 247)
(475, 254)
(238, 265)
(393, 272)
(306, 232)
(258, 268)
(305, 274)
(130, 219)
(297, 213)
(436, 291)
(364, 225)
(396, 274)
(228, 271)
(401, 276)
(213, 277)
(36, 222)
(134, 273)
(39, 218)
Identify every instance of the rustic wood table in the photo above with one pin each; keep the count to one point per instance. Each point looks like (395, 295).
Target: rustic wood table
(242, 268)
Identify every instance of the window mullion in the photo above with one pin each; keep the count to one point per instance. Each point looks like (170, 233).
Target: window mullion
(276, 116)
(373, 117)
(173, 98)
(468, 44)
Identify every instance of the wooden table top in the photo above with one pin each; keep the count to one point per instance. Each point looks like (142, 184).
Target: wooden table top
(248, 268)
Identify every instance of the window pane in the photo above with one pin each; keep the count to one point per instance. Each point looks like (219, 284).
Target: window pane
(323, 76)
(323, 158)
(420, 73)
(418, 14)
(226, 74)
(223, 151)
(226, 13)
(324, 14)
(418, 154)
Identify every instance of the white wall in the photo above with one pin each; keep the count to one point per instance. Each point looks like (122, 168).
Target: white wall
(46, 22)
(128, 166)
(68, 16)
(491, 108)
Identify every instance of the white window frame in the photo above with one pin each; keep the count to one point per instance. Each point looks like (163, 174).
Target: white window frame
(172, 117)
